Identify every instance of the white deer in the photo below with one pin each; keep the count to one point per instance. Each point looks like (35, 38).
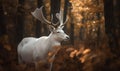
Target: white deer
(34, 50)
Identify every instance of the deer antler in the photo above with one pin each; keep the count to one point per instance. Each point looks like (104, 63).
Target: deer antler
(60, 17)
(38, 14)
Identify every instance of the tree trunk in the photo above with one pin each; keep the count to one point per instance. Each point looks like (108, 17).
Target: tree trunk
(20, 21)
(38, 23)
(29, 22)
(117, 21)
(2, 25)
(10, 10)
(71, 25)
(55, 8)
(65, 11)
(112, 26)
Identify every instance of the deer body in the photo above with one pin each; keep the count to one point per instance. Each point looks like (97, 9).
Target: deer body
(34, 50)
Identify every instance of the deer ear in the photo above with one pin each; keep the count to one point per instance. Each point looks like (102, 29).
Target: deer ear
(52, 28)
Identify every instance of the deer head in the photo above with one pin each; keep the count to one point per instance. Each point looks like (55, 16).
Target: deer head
(56, 29)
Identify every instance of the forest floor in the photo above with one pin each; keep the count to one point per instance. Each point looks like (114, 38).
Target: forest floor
(70, 58)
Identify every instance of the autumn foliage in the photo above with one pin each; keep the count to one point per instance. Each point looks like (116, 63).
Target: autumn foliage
(87, 50)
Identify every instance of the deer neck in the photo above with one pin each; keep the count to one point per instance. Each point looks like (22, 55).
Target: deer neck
(53, 41)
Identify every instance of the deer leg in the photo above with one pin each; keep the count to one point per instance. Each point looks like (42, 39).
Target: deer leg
(51, 66)
(26, 67)
(51, 62)
(52, 59)
(36, 66)
(19, 59)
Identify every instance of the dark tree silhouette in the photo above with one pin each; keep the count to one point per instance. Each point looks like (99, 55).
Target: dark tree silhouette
(20, 21)
(38, 23)
(111, 25)
(55, 8)
(2, 26)
(9, 16)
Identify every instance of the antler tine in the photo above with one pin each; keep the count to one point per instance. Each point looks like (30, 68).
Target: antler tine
(52, 24)
(60, 17)
(65, 21)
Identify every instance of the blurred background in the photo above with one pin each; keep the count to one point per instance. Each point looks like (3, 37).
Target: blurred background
(93, 27)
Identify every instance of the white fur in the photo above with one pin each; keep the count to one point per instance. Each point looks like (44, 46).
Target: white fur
(32, 50)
